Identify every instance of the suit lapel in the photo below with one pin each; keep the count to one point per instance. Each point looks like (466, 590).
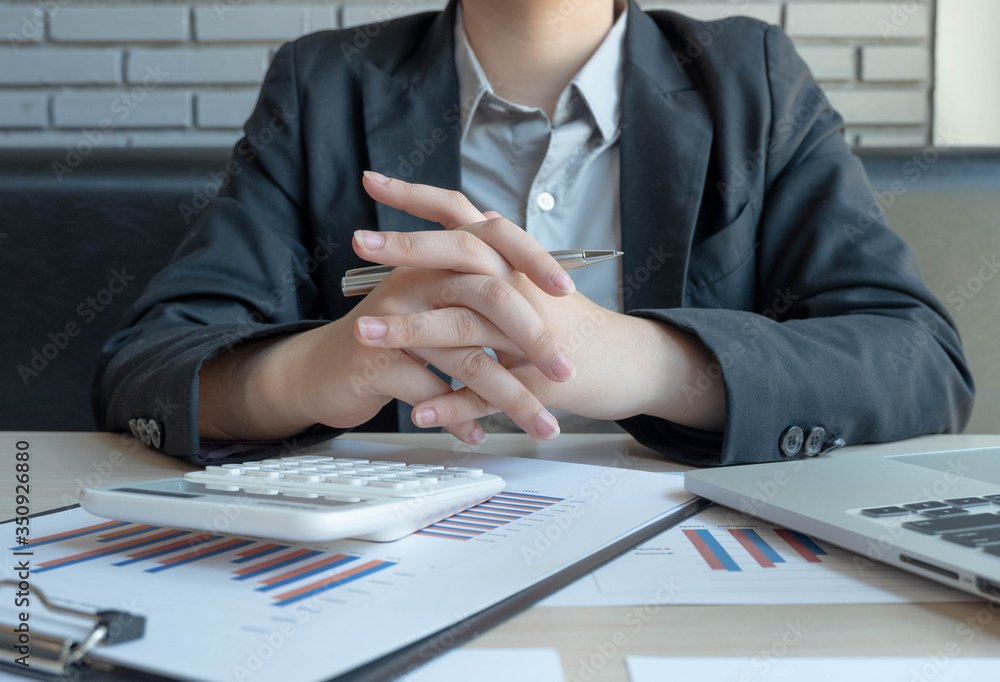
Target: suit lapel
(412, 119)
(666, 136)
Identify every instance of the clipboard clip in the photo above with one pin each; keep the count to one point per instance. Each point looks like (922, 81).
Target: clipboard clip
(54, 655)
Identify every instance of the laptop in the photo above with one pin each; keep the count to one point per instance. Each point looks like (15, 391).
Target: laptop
(929, 505)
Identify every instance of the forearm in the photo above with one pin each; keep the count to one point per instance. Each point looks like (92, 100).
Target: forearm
(244, 394)
(682, 379)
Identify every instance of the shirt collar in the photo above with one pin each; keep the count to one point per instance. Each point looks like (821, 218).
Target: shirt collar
(599, 78)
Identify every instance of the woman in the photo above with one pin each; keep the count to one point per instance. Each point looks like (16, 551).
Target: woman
(749, 319)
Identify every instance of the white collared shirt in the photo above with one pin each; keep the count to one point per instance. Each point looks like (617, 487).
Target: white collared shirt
(558, 179)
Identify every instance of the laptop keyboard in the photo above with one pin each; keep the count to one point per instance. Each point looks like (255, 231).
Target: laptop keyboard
(967, 521)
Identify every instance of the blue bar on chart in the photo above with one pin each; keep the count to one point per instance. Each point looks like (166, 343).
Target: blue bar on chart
(494, 513)
(711, 551)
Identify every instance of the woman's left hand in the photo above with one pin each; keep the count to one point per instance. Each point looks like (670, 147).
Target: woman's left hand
(625, 365)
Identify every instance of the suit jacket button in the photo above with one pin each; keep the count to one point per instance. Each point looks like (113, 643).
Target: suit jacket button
(155, 434)
(133, 426)
(143, 431)
(791, 441)
(814, 441)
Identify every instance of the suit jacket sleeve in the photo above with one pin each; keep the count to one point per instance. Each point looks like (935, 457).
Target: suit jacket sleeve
(844, 335)
(241, 273)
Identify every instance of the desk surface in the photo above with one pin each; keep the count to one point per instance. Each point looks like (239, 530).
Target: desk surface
(63, 463)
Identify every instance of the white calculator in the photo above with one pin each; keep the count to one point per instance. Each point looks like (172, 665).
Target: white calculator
(302, 499)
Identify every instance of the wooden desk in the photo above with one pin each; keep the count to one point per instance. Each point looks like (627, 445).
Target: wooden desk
(63, 463)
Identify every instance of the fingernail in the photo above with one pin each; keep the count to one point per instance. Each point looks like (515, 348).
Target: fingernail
(477, 436)
(546, 425)
(372, 328)
(425, 417)
(562, 367)
(376, 177)
(563, 282)
(370, 240)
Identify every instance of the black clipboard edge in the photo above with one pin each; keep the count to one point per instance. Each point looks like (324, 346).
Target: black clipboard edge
(404, 660)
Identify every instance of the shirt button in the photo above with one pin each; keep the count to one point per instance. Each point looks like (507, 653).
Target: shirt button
(546, 201)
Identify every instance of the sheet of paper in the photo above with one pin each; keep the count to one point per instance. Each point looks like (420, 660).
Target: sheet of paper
(794, 669)
(723, 557)
(491, 665)
(241, 607)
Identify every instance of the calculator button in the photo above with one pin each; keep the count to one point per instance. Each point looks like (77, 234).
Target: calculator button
(968, 501)
(954, 523)
(352, 479)
(299, 493)
(467, 471)
(305, 478)
(394, 465)
(923, 506)
(225, 471)
(264, 474)
(326, 468)
(411, 481)
(880, 512)
(276, 462)
(262, 491)
(992, 498)
(391, 484)
(220, 486)
(350, 460)
(428, 477)
(946, 511)
(240, 467)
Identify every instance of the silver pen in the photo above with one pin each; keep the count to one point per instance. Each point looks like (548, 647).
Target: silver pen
(361, 281)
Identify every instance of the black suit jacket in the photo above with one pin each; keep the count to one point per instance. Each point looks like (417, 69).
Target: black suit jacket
(745, 220)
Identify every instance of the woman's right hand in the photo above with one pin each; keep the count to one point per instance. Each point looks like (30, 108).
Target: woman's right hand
(326, 375)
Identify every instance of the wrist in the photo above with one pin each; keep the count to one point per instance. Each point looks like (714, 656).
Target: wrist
(683, 383)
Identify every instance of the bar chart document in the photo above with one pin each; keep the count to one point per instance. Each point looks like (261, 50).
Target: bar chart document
(241, 607)
(721, 556)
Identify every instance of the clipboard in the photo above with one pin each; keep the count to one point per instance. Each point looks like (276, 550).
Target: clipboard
(26, 651)
(65, 658)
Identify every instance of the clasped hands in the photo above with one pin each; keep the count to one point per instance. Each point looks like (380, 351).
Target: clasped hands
(482, 282)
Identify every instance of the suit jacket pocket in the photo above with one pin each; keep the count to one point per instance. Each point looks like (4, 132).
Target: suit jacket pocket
(721, 268)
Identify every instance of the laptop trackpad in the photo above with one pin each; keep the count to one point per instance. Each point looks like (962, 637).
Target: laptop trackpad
(980, 465)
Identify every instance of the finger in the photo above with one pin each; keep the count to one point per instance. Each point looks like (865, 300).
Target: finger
(412, 383)
(523, 253)
(504, 306)
(438, 250)
(458, 406)
(491, 214)
(453, 210)
(453, 327)
(495, 385)
(446, 207)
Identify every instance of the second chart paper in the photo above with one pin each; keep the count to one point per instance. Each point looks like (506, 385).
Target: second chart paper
(721, 556)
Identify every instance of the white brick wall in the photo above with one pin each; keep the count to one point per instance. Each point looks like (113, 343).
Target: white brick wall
(23, 111)
(881, 63)
(119, 24)
(186, 72)
(903, 19)
(122, 110)
(830, 63)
